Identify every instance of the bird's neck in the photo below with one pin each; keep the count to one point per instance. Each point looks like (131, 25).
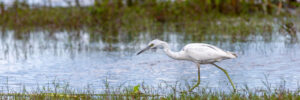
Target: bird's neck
(172, 54)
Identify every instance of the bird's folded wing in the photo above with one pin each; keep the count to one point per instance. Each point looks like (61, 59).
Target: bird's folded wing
(205, 53)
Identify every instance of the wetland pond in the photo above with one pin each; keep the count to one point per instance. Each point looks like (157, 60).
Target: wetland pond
(82, 58)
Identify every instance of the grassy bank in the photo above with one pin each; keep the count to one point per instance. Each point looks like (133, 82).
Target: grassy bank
(108, 14)
(280, 95)
(110, 18)
(143, 92)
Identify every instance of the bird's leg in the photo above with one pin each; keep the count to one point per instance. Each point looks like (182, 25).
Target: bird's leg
(198, 82)
(234, 89)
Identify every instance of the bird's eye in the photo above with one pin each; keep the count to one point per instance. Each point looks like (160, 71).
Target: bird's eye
(151, 45)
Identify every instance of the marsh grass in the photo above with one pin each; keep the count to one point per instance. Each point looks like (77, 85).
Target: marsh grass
(108, 14)
(112, 21)
(163, 91)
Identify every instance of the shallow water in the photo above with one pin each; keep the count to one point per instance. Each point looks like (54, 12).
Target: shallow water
(86, 58)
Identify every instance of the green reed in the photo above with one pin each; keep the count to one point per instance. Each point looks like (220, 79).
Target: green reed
(163, 91)
(116, 14)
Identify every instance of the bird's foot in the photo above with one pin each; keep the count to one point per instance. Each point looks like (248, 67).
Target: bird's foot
(234, 91)
(183, 92)
(186, 92)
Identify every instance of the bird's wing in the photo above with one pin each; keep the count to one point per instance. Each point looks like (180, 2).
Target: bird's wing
(205, 53)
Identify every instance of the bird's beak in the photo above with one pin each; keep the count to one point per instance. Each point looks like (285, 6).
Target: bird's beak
(145, 49)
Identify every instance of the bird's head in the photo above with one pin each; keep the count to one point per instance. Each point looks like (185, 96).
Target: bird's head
(152, 45)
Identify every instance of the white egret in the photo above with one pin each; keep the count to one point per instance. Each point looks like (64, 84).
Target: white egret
(200, 53)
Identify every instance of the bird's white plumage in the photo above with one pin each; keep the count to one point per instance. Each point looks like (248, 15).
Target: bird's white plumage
(205, 53)
(200, 53)
(197, 52)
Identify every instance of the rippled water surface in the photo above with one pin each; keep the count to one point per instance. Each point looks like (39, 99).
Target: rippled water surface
(81, 58)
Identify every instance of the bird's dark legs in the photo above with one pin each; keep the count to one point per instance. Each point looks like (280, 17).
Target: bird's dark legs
(234, 89)
(198, 82)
